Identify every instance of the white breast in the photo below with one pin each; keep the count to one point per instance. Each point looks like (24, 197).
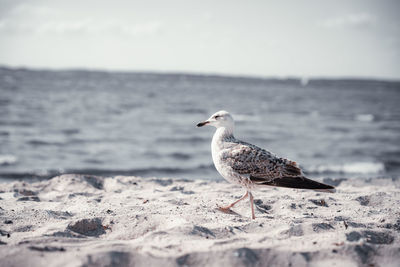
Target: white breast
(218, 146)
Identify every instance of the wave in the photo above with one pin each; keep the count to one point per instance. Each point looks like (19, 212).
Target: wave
(349, 168)
(391, 160)
(71, 131)
(36, 142)
(16, 123)
(180, 156)
(8, 160)
(145, 172)
(338, 129)
(364, 117)
(189, 140)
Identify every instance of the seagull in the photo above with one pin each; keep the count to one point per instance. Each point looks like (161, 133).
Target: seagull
(250, 166)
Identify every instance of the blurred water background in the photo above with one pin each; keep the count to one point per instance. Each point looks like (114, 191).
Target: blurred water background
(110, 123)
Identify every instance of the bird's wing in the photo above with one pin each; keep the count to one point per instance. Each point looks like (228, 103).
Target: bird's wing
(264, 168)
(247, 159)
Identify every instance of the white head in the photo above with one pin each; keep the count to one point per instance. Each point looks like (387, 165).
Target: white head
(219, 119)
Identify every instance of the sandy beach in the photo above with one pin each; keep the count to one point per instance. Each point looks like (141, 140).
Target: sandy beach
(83, 220)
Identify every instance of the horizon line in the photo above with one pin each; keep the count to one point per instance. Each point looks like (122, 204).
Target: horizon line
(212, 74)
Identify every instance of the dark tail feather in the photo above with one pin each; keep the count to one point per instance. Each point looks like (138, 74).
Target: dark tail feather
(299, 182)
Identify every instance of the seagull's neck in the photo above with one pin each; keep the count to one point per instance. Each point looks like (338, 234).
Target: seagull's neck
(223, 133)
(221, 136)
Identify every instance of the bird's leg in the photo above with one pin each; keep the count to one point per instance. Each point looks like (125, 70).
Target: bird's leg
(253, 216)
(227, 208)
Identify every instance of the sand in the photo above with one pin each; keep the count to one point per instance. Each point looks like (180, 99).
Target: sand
(81, 220)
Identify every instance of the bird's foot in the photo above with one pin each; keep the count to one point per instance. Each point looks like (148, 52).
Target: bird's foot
(226, 209)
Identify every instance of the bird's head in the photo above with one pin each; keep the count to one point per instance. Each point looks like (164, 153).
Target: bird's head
(219, 119)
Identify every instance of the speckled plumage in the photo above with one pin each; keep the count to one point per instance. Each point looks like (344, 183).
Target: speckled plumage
(240, 162)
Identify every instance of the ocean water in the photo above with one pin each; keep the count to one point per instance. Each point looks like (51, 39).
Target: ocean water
(110, 123)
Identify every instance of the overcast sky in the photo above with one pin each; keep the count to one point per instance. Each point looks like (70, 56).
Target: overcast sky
(259, 38)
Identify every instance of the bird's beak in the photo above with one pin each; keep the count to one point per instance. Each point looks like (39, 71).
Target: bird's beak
(201, 124)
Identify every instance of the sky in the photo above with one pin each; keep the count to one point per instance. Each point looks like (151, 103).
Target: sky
(313, 38)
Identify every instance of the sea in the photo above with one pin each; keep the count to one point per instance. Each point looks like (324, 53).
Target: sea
(144, 124)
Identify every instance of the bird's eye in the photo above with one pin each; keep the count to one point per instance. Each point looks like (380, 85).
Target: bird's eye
(216, 117)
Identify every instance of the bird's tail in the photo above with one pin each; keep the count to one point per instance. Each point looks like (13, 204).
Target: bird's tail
(299, 182)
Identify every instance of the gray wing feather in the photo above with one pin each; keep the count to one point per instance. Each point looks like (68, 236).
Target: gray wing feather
(248, 159)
